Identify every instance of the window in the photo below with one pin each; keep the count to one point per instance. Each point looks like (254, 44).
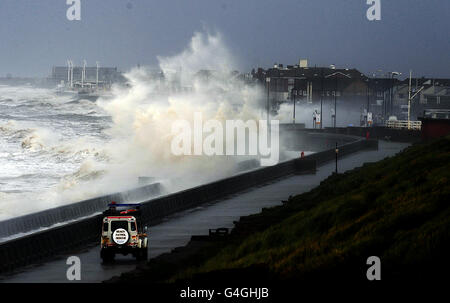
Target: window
(431, 100)
(445, 99)
(119, 224)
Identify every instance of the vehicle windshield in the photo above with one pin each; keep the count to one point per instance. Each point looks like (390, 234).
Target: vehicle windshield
(119, 224)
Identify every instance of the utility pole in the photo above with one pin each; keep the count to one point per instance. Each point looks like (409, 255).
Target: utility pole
(97, 74)
(336, 151)
(391, 92)
(268, 101)
(321, 98)
(83, 74)
(368, 95)
(71, 74)
(68, 72)
(411, 97)
(383, 84)
(409, 100)
(335, 100)
(294, 92)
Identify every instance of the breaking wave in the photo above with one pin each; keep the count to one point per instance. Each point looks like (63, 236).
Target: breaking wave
(77, 149)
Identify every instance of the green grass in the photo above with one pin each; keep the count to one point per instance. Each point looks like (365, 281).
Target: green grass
(397, 209)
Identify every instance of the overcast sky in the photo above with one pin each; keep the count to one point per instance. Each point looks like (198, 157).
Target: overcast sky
(35, 34)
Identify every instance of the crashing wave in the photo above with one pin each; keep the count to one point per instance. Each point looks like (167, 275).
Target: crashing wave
(87, 172)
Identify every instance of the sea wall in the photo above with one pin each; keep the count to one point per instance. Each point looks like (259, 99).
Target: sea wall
(74, 211)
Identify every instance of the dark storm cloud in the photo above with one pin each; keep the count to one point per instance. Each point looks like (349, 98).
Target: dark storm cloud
(34, 35)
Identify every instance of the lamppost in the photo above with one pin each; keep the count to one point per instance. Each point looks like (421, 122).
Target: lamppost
(321, 98)
(336, 152)
(411, 97)
(268, 101)
(68, 72)
(83, 75)
(333, 67)
(98, 65)
(71, 74)
(385, 84)
(294, 93)
(377, 85)
(335, 99)
(368, 94)
(368, 101)
(391, 105)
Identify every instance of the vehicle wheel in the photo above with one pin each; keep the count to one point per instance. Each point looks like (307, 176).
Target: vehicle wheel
(138, 255)
(141, 254)
(144, 253)
(107, 256)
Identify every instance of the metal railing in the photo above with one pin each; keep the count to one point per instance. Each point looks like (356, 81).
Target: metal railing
(404, 124)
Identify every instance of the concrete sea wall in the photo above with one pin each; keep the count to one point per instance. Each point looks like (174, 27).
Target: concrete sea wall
(73, 211)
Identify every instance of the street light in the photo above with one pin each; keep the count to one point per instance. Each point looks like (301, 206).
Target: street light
(379, 77)
(71, 74)
(68, 72)
(333, 114)
(268, 101)
(321, 100)
(336, 152)
(411, 97)
(391, 106)
(83, 73)
(368, 94)
(368, 100)
(294, 93)
(335, 99)
(98, 65)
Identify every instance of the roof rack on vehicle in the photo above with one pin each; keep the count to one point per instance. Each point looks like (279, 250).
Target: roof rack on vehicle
(117, 209)
(112, 204)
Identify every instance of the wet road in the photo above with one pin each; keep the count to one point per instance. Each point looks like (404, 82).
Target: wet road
(176, 230)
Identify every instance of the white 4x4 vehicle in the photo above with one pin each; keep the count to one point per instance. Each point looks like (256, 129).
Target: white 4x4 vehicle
(123, 233)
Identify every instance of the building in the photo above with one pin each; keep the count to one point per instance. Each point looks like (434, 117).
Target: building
(435, 123)
(311, 84)
(432, 94)
(319, 87)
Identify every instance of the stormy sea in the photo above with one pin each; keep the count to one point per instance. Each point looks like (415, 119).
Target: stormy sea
(48, 142)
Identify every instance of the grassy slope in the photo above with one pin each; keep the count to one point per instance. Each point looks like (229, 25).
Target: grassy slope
(397, 209)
